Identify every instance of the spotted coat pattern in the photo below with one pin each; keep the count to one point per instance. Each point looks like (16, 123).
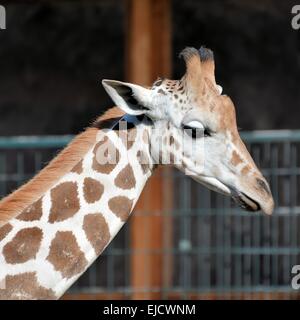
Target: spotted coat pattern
(49, 245)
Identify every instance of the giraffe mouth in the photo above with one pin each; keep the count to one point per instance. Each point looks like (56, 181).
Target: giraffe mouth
(245, 202)
(240, 198)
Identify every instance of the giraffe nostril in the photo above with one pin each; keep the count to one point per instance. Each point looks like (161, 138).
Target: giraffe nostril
(263, 185)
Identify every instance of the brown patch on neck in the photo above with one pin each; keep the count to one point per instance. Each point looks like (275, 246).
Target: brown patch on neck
(5, 230)
(65, 255)
(24, 246)
(101, 161)
(33, 212)
(25, 286)
(16, 202)
(97, 231)
(121, 206)
(65, 202)
(92, 190)
(78, 168)
(125, 179)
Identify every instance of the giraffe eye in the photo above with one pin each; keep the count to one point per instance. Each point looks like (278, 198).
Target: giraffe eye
(195, 129)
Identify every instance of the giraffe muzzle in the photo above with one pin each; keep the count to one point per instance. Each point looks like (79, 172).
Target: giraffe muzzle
(245, 202)
(254, 198)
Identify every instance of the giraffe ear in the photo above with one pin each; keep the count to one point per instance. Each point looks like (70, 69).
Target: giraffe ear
(131, 98)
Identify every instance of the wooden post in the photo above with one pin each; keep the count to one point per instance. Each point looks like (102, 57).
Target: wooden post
(148, 56)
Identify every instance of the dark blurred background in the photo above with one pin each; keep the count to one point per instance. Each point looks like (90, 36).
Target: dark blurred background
(54, 54)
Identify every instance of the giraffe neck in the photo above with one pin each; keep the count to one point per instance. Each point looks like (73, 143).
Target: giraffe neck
(51, 243)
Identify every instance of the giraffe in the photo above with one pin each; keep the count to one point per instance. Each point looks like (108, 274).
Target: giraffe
(55, 226)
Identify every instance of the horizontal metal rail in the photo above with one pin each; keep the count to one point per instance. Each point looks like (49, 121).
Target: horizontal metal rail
(55, 141)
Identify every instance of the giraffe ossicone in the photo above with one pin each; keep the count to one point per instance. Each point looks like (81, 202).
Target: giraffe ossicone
(54, 227)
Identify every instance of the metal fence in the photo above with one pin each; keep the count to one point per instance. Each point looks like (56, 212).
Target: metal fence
(216, 250)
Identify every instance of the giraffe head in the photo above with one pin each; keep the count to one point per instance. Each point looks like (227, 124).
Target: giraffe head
(194, 127)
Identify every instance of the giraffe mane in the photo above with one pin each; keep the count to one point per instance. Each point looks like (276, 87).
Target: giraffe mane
(20, 199)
